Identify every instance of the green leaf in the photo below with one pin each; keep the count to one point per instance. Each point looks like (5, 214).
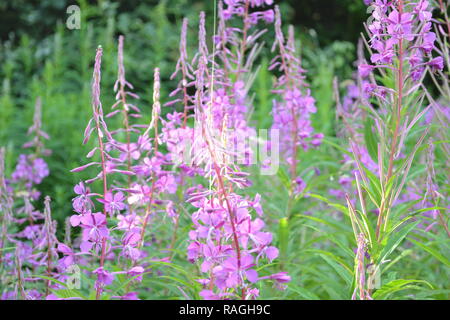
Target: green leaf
(50, 279)
(432, 251)
(302, 292)
(327, 141)
(397, 285)
(337, 206)
(394, 241)
(180, 281)
(375, 187)
(68, 293)
(284, 178)
(370, 232)
(370, 139)
(123, 284)
(319, 220)
(337, 264)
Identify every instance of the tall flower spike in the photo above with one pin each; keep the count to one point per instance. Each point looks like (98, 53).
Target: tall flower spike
(127, 109)
(97, 124)
(96, 79)
(156, 110)
(292, 114)
(96, 233)
(187, 78)
(36, 130)
(50, 235)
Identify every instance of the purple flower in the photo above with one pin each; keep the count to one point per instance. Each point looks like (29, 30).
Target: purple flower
(113, 202)
(300, 185)
(94, 226)
(104, 277)
(291, 115)
(268, 16)
(40, 170)
(167, 184)
(129, 296)
(136, 271)
(365, 70)
(400, 25)
(437, 63)
(82, 202)
(229, 274)
(130, 241)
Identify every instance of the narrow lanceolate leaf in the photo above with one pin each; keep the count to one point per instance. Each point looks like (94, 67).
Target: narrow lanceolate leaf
(303, 292)
(432, 251)
(69, 294)
(397, 285)
(337, 264)
(335, 145)
(374, 187)
(284, 178)
(337, 206)
(370, 139)
(394, 241)
(356, 226)
(407, 164)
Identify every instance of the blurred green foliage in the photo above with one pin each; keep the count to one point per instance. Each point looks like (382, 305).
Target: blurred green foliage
(41, 57)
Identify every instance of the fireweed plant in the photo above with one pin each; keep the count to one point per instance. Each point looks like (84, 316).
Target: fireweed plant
(28, 236)
(292, 114)
(387, 107)
(171, 209)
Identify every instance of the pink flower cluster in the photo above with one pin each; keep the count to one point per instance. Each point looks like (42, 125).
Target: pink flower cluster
(401, 26)
(292, 114)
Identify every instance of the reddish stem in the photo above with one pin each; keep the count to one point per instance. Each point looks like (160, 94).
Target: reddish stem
(152, 191)
(229, 208)
(293, 167)
(397, 119)
(49, 265)
(105, 191)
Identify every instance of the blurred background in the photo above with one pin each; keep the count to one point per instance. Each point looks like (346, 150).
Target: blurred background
(40, 56)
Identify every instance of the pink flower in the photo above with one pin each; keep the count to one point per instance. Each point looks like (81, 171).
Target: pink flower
(437, 63)
(127, 222)
(104, 277)
(229, 275)
(94, 226)
(268, 16)
(114, 202)
(400, 25)
(136, 271)
(365, 70)
(167, 183)
(82, 202)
